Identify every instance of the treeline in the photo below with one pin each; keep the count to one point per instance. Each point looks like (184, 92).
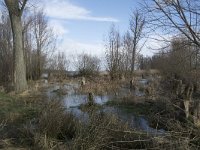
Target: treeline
(178, 19)
(122, 51)
(180, 59)
(172, 24)
(39, 42)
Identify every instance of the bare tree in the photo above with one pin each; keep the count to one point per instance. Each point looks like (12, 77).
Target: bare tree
(179, 59)
(127, 52)
(113, 47)
(62, 65)
(175, 17)
(88, 65)
(44, 39)
(6, 50)
(121, 53)
(15, 9)
(137, 23)
(27, 21)
(57, 66)
(39, 42)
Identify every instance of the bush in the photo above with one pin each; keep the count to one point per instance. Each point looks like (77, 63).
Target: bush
(55, 122)
(88, 65)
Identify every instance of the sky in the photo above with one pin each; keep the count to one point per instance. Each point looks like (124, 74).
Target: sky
(82, 25)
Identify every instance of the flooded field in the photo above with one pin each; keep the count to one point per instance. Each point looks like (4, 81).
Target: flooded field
(73, 100)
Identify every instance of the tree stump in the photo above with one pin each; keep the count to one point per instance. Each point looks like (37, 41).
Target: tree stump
(90, 99)
(36, 86)
(122, 78)
(196, 116)
(187, 98)
(132, 84)
(83, 81)
(2, 89)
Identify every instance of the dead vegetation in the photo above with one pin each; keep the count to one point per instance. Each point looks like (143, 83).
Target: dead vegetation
(100, 86)
(36, 122)
(52, 127)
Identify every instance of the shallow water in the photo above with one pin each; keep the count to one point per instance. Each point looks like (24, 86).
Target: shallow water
(73, 100)
(138, 122)
(143, 81)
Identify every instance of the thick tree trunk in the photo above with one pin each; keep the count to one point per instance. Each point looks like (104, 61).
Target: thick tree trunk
(19, 62)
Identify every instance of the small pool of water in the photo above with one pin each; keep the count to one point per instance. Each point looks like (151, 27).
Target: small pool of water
(77, 100)
(73, 100)
(143, 81)
(138, 122)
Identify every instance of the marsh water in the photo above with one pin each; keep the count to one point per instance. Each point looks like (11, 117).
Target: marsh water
(72, 101)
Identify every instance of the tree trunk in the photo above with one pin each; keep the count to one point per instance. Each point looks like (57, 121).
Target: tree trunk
(19, 62)
(133, 59)
(38, 61)
(187, 108)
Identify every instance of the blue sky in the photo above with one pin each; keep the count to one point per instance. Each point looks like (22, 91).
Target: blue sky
(81, 25)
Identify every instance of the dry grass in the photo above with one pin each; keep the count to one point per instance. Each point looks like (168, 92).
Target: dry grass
(101, 86)
(107, 132)
(36, 122)
(53, 127)
(55, 122)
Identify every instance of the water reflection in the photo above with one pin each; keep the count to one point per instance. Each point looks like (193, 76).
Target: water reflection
(73, 100)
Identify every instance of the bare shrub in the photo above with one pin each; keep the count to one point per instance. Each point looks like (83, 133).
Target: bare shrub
(107, 132)
(88, 65)
(55, 122)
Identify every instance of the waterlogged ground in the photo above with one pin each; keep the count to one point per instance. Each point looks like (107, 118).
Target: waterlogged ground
(73, 101)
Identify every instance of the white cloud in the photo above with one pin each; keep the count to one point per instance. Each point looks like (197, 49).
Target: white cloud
(0, 16)
(73, 47)
(64, 9)
(58, 28)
